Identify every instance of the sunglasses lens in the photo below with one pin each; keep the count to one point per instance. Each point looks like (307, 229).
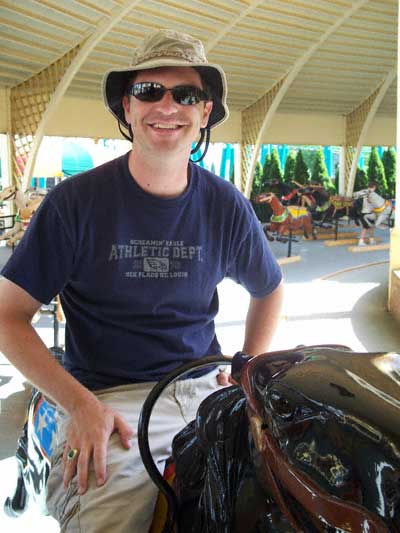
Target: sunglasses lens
(186, 95)
(147, 91)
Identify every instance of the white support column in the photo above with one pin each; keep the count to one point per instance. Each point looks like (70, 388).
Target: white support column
(394, 257)
(6, 176)
(238, 166)
(342, 169)
(283, 86)
(6, 151)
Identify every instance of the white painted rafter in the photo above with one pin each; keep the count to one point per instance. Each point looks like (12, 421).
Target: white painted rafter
(102, 29)
(380, 93)
(234, 22)
(287, 81)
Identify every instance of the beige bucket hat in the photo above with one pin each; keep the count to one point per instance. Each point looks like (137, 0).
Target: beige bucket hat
(168, 48)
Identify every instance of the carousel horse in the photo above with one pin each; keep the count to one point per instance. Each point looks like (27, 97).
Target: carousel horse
(325, 209)
(308, 440)
(27, 204)
(285, 219)
(286, 191)
(378, 209)
(312, 195)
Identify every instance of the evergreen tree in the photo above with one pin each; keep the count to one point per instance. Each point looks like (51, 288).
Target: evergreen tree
(258, 185)
(361, 181)
(389, 164)
(275, 172)
(336, 182)
(263, 211)
(301, 172)
(308, 154)
(376, 172)
(319, 172)
(267, 168)
(290, 163)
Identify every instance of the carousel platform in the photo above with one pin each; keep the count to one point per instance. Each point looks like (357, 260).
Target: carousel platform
(332, 296)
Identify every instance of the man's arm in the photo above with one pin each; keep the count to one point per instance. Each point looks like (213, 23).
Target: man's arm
(92, 422)
(262, 321)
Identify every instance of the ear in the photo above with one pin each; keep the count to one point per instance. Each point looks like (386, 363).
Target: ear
(206, 114)
(126, 104)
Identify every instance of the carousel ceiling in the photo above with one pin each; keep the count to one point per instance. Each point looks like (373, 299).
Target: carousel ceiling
(340, 50)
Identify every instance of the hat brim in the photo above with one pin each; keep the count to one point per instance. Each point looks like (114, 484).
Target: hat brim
(116, 81)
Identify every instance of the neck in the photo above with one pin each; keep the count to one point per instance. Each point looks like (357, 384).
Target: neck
(161, 176)
(277, 207)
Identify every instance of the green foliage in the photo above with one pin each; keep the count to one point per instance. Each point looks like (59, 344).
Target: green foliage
(258, 180)
(262, 211)
(267, 168)
(301, 172)
(319, 171)
(290, 163)
(329, 185)
(275, 171)
(361, 181)
(376, 172)
(309, 154)
(336, 181)
(389, 164)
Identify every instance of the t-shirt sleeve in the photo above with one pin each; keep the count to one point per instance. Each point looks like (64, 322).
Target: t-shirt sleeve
(253, 264)
(43, 260)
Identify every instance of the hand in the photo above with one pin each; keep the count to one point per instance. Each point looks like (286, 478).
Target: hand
(224, 379)
(89, 431)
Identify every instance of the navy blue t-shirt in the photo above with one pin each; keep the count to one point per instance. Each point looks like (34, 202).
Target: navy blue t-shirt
(137, 274)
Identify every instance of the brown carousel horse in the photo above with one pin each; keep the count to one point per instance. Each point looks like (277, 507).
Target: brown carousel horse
(286, 219)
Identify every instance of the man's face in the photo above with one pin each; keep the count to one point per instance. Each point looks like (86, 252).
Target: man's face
(166, 126)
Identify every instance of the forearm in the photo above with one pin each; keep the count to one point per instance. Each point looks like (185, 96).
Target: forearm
(262, 321)
(23, 347)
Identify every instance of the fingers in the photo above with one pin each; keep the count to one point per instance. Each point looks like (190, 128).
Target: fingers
(223, 378)
(70, 461)
(124, 430)
(99, 463)
(76, 464)
(91, 446)
(83, 470)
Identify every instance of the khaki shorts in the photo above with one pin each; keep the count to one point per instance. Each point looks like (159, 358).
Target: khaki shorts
(125, 503)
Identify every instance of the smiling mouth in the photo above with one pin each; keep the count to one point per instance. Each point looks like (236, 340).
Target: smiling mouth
(166, 126)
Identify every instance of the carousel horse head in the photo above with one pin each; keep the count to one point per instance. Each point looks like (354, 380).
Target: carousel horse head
(8, 193)
(325, 423)
(264, 197)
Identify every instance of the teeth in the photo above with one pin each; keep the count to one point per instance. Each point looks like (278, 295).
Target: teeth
(166, 126)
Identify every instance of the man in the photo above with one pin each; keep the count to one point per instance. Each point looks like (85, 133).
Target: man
(135, 248)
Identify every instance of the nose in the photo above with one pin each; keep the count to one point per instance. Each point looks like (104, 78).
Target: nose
(167, 103)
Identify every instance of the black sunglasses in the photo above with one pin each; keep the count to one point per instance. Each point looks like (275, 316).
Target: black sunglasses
(150, 91)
